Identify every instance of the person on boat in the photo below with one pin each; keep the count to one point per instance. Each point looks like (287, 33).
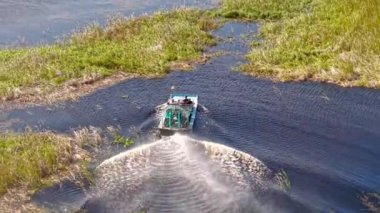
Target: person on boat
(186, 101)
(171, 101)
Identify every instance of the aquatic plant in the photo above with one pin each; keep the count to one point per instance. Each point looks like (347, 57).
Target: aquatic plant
(371, 201)
(325, 40)
(147, 45)
(283, 180)
(33, 160)
(126, 142)
(27, 158)
(120, 139)
(257, 9)
(88, 137)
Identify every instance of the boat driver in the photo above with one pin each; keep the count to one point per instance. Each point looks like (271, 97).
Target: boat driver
(186, 101)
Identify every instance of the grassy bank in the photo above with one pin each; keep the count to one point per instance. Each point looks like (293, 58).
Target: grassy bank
(147, 45)
(262, 10)
(28, 158)
(31, 161)
(325, 40)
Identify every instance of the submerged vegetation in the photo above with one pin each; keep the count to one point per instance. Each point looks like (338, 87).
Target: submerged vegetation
(147, 45)
(325, 40)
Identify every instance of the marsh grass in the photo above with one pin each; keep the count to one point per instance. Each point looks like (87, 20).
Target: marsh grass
(262, 9)
(26, 159)
(147, 45)
(336, 41)
(88, 137)
(326, 40)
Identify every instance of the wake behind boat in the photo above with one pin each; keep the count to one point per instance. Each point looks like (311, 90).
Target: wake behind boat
(179, 114)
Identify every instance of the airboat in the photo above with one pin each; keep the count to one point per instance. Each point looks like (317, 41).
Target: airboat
(179, 114)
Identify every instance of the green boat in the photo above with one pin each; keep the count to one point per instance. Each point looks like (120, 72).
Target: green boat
(179, 114)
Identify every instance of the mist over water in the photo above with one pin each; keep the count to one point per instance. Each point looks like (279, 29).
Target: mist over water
(179, 174)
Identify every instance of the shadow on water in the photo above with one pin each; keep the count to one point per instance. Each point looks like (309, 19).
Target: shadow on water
(325, 137)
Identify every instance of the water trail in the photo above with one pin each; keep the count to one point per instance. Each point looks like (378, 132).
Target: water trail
(178, 174)
(203, 108)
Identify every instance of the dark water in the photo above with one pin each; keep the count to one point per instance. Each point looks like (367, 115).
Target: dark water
(325, 137)
(29, 22)
(62, 197)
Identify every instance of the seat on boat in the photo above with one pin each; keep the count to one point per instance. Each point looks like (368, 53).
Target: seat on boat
(174, 118)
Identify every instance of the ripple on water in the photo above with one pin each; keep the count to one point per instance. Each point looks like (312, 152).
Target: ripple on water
(62, 197)
(177, 174)
(325, 137)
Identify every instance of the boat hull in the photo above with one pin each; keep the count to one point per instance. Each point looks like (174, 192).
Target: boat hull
(170, 132)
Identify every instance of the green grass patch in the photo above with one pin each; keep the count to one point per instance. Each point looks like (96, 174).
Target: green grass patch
(262, 9)
(326, 40)
(147, 45)
(126, 142)
(26, 159)
(121, 140)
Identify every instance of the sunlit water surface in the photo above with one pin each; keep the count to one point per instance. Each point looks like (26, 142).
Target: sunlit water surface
(31, 22)
(325, 137)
